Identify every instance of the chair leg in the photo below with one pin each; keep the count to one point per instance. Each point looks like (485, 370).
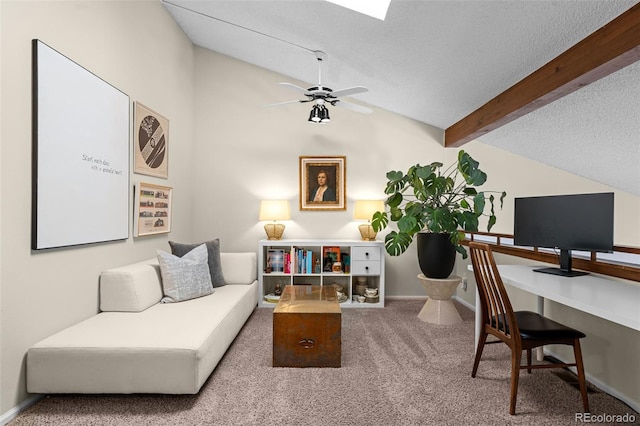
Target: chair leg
(516, 355)
(580, 370)
(481, 341)
(529, 360)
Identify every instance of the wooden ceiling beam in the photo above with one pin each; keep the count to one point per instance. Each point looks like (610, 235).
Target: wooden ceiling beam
(604, 52)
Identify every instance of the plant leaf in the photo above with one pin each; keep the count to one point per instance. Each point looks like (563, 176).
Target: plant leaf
(394, 200)
(492, 221)
(470, 169)
(469, 221)
(478, 203)
(424, 172)
(395, 175)
(397, 243)
(407, 225)
(460, 249)
(395, 182)
(395, 213)
(379, 221)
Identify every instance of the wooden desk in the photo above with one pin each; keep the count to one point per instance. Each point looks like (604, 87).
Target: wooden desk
(612, 300)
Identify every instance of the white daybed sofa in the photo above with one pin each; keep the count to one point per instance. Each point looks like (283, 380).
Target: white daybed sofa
(138, 345)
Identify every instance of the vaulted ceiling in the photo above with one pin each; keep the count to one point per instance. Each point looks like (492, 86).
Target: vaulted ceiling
(437, 61)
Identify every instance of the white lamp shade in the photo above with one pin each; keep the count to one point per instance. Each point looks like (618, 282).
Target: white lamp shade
(274, 210)
(364, 209)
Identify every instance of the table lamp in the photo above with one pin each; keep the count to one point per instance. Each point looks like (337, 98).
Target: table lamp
(364, 210)
(274, 210)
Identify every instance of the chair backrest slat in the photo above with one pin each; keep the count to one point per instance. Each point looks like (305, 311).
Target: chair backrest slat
(497, 312)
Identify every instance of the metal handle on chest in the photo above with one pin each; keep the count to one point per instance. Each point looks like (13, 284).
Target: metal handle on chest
(307, 343)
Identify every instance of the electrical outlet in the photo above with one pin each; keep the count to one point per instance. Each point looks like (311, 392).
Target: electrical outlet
(464, 284)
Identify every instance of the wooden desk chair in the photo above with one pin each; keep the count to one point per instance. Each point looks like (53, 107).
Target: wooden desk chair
(522, 330)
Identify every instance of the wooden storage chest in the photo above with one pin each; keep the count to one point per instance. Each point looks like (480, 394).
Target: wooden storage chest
(307, 328)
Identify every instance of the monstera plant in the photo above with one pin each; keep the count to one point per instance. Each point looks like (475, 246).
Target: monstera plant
(444, 202)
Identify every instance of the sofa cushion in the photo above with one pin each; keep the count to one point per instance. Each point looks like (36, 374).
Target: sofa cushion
(186, 277)
(213, 249)
(131, 288)
(136, 287)
(239, 268)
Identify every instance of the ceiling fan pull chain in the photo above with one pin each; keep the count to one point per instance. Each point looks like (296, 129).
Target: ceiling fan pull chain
(319, 74)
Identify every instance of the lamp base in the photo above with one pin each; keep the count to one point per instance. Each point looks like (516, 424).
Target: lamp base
(274, 231)
(367, 233)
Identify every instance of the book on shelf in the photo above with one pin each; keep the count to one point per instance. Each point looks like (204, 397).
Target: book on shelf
(309, 262)
(302, 260)
(287, 263)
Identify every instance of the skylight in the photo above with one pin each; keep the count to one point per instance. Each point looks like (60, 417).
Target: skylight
(374, 8)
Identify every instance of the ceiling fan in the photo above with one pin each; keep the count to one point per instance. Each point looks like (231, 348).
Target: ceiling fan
(322, 96)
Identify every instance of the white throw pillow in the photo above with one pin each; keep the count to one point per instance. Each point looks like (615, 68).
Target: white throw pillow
(185, 277)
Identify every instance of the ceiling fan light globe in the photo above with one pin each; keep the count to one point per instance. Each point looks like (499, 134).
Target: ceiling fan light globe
(316, 114)
(324, 115)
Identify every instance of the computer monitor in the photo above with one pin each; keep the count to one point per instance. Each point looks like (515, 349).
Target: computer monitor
(565, 222)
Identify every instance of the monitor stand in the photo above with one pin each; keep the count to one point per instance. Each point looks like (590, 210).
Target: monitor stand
(565, 267)
(561, 272)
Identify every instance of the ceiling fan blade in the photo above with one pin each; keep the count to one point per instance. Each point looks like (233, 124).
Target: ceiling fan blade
(296, 88)
(353, 107)
(288, 102)
(349, 91)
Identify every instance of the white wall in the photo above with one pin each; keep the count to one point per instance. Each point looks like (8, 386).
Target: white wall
(139, 49)
(248, 152)
(226, 152)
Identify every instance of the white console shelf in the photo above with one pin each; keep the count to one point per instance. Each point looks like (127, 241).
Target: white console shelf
(362, 261)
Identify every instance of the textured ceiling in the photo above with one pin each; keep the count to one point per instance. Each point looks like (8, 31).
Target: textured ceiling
(437, 61)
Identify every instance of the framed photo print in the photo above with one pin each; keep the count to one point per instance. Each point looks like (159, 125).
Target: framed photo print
(153, 209)
(323, 183)
(151, 142)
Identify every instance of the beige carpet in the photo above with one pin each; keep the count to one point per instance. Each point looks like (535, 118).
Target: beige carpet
(396, 370)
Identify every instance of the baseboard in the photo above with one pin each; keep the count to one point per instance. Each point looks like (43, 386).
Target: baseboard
(454, 297)
(405, 297)
(599, 384)
(464, 303)
(11, 414)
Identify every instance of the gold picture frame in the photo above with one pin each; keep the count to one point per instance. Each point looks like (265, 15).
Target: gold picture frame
(152, 209)
(151, 142)
(323, 183)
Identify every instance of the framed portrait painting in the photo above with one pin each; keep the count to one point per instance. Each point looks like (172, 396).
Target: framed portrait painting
(323, 183)
(151, 142)
(153, 209)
